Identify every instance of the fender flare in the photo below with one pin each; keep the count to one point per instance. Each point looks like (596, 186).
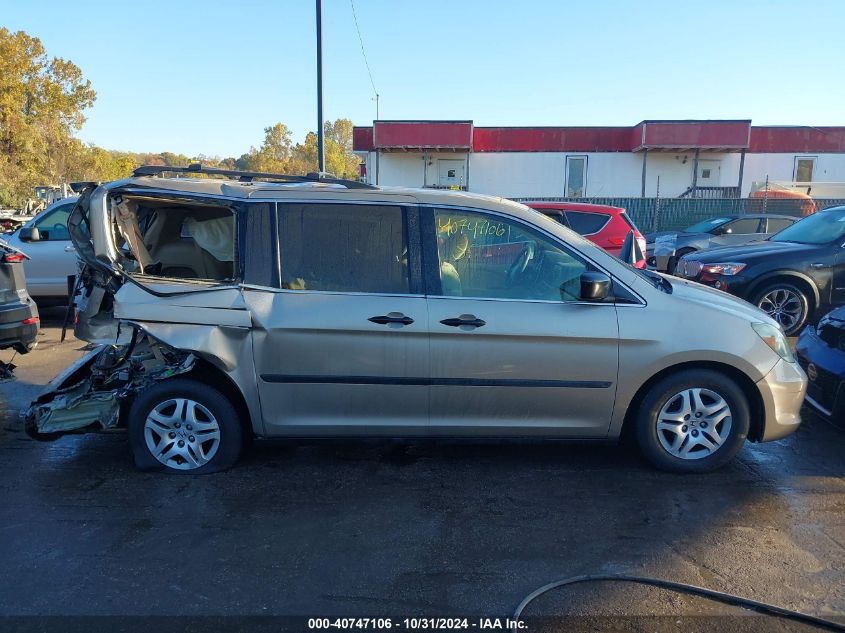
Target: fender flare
(793, 274)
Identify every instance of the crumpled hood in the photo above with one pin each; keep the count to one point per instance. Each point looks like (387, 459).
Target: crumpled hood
(710, 298)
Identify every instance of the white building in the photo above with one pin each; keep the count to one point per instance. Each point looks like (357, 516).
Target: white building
(688, 158)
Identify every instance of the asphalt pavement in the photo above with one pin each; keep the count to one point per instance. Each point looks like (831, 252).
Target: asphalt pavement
(407, 529)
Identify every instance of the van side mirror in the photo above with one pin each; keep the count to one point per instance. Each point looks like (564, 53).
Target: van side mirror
(595, 286)
(30, 234)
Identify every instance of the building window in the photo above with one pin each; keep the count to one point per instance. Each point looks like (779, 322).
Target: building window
(576, 176)
(804, 168)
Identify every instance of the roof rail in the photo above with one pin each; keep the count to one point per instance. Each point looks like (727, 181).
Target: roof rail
(250, 176)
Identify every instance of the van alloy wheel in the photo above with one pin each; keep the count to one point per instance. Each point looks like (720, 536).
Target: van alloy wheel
(182, 434)
(694, 423)
(784, 306)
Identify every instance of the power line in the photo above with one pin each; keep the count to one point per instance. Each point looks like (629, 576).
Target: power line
(364, 53)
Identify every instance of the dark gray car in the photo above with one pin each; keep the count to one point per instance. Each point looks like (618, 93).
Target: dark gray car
(665, 248)
(18, 312)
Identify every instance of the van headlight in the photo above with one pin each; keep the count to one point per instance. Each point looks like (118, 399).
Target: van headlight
(774, 338)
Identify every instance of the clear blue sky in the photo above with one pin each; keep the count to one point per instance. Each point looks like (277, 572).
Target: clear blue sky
(207, 77)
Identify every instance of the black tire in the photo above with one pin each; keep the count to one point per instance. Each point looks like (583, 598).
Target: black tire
(223, 413)
(663, 393)
(760, 300)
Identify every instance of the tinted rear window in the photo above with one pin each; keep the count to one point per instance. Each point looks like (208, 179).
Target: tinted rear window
(586, 223)
(343, 248)
(743, 226)
(779, 224)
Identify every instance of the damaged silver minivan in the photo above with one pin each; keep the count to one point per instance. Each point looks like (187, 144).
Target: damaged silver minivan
(232, 305)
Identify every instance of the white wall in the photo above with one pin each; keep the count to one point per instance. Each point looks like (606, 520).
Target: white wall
(609, 174)
(829, 168)
(408, 169)
(400, 169)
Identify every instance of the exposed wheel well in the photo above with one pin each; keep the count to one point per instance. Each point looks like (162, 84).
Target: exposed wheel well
(672, 266)
(207, 373)
(755, 400)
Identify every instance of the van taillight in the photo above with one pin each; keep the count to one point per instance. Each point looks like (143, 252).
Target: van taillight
(13, 258)
(30, 320)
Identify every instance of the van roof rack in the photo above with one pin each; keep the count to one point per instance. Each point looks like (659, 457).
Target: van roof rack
(250, 176)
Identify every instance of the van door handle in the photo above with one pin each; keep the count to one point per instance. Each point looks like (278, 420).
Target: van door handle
(391, 317)
(465, 319)
(70, 249)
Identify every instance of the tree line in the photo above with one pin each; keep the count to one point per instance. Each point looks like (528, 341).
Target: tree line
(42, 100)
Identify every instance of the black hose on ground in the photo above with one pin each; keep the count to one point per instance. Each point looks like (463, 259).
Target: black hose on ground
(680, 587)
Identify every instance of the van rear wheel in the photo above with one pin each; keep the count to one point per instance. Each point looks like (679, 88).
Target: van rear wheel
(692, 422)
(184, 426)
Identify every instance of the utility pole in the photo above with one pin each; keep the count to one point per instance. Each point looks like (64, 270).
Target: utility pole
(321, 148)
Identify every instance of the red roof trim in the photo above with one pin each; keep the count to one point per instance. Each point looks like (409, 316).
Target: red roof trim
(416, 134)
(804, 139)
(691, 135)
(718, 134)
(552, 139)
(362, 139)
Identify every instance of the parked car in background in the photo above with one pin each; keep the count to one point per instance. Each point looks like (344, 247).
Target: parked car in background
(311, 306)
(602, 224)
(791, 276)
(665, 248)
(821, 352)
(18, 313)
(52, 256)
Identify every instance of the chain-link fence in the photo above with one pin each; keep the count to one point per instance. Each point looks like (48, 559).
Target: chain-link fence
(666, 214)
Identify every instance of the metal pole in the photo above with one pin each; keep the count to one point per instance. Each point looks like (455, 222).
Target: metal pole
(321, 149)
(766, 196)
(656, 219)
(695, 174)
(645, 159)
(741, 171)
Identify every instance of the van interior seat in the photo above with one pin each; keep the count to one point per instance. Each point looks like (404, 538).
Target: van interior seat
(183, 258)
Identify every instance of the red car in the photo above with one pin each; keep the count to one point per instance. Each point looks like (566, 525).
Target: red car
(604, 225)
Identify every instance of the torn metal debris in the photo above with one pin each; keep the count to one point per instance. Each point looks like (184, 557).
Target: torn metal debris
(88, 394)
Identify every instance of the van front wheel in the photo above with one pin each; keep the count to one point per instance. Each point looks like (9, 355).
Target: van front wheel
(693, 421)
(184, 426)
